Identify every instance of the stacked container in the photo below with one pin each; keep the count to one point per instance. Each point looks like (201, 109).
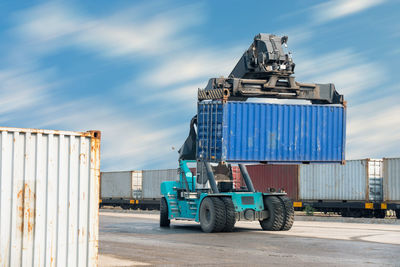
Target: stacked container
(261, 132)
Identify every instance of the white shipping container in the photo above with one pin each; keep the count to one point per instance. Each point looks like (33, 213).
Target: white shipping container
(391, 179)
(116, 184)
(120, 184)
(152, 180)
(334, 181)
(49, 197)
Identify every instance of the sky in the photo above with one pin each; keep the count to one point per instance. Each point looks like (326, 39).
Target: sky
(132, 68)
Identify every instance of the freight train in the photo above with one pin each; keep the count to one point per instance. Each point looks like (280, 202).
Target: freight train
(359, 188)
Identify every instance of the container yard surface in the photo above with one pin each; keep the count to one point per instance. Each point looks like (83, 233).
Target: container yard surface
(253, 132)
(49, 197)
(135, 239)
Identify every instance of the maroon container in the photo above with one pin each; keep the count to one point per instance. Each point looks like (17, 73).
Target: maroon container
(284, 177)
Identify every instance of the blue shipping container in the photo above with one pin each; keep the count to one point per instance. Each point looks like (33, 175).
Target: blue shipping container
(261, 132)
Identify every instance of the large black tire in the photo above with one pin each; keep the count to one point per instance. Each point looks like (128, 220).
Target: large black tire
(288, 218)
(212, 215)
(398, 214)
(230, 215)
(164, 221)
(275, 220)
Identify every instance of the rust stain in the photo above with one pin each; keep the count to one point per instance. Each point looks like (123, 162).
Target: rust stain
(26, 198)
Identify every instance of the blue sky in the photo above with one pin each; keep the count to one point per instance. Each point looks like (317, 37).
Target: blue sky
(132, 69)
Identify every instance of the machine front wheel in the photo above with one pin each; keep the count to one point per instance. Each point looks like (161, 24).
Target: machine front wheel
(398, 214)
(230, 214)
(275, 208)
(212, 215)
(164, 221)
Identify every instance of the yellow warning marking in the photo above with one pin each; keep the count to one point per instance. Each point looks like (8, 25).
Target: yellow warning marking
(137, 201)
(383, 206)
(100, 200)
(369, 206)
(132, 201)
(297, 204)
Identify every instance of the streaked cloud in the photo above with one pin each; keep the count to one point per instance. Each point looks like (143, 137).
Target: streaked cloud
(127, 143)
(21, 89)
(147, 33)
(171, 59)
(193, 65)
(373, 129)
(351, 72)
(335, 9)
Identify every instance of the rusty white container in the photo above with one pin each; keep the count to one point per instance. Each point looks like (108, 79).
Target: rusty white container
(49, 183)
(391, 179)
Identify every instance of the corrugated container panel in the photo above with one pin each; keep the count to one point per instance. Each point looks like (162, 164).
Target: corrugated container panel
(284, 177)
(116, 184)
(49, 198)
(254, 132)
(334, 181)
(152, 180)
(391, 179)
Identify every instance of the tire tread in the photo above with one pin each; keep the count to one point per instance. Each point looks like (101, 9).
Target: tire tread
(230, 214)
(288, 217)
(164, 221)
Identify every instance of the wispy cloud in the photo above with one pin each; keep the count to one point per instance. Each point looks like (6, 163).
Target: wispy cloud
(335, 9)
(373, 128)
(172, 62)
(193, 64)
(52, 26)
(349, 71)
(127, 143)
(21, 89)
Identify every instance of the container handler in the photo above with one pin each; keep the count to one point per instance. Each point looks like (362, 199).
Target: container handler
(264, 71)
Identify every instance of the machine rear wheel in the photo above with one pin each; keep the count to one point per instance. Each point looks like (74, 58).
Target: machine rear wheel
(212, 215)
(164, 221)
(288, 217)
(275, 220)
(230, 214)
